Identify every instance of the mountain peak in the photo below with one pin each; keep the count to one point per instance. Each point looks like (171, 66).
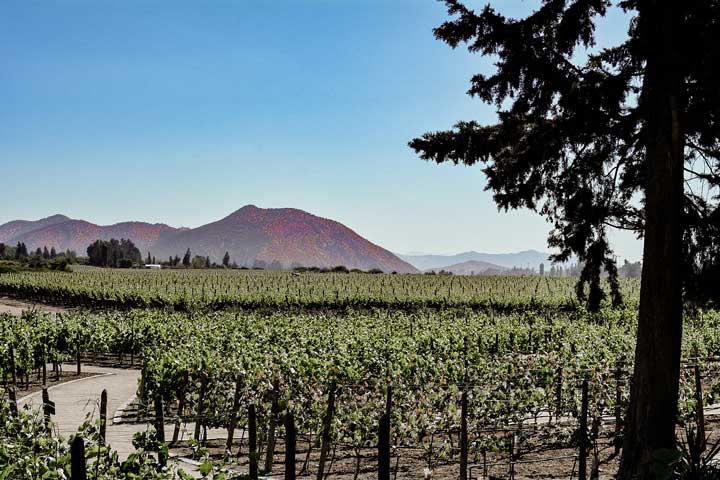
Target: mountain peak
(58, 217)
(250, 208)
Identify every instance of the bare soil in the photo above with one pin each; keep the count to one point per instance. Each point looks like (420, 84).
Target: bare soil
(16, 307)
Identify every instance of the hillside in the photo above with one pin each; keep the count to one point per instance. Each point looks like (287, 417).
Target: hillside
(289, 236)
(15, 229)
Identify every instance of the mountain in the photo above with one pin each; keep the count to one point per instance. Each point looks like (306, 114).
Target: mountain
(287, 235)
(78, 234)
(472, 267)
(524, 259)
(16, 228)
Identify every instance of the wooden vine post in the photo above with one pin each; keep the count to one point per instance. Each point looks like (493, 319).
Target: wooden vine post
(160, 430)
(234, 413)
(583, 443)
(290, 446)
(384, 439)
(103, 416)
(77, 459)
(77, 353)
(699, 407)
(327, 425)
(44, 361)
(181, 406)
(274, 412)
(48, 407)
(13, 401)
(619, 383)
(13, 370)
(558, 393)
(463, 416)
(252, 437)
(511, 455)
(201, 405)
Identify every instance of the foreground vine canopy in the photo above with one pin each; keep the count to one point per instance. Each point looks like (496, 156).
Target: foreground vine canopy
(514, 350)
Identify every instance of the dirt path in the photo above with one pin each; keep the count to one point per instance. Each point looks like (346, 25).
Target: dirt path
(16, 307)
(78, 400)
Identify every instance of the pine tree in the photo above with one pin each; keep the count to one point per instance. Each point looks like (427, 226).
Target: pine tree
(148, 260)
(207, 262)
(46, 253)
(583, 132)
(187, 259)
(53, 253)
(226, 260)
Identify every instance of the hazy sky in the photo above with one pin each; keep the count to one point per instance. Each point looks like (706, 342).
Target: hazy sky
(183, 111)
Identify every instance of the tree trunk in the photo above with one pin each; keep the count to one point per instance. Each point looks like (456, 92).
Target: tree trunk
(654, 393)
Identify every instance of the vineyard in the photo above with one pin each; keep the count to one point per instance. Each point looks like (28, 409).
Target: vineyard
(252, 289)
(503, 379)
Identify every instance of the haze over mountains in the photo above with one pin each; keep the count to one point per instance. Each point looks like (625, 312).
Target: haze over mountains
(524, 259)
(287, 235)
(471, 267)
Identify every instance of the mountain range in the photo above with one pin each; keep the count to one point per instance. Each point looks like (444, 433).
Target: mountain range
(471, 267)
(287, 235)
(524, 259)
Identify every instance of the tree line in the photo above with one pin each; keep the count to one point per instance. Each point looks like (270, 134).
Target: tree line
(20, 257)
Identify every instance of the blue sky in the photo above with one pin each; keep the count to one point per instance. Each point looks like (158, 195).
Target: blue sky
(183, 111)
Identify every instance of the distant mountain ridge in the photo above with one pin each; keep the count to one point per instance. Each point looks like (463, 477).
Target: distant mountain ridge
(472, 267)
(524, 259)
(289, 236)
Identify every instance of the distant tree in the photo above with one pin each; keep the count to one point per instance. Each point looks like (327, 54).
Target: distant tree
(234, 265)
(45, 253)
(148, 259)
(186, 259)
(198, 262)
(275, 265)
(226, 260)
(124, 263)
(259, 264)
(631, 270)
(21, 250)
(3, 250)
(53, 253)
(207, 262)
(153, 261)
(541, 269)
(113, 253)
